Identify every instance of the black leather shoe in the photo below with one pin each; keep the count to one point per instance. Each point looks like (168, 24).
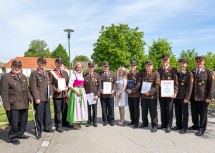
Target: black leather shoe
(59, 129)
(131, 123)
(105, 123)
(70, 126)
(154, 129)
(168, 129)
(143, 125)
(176, 128)
(95, 124)
(193, 128)
(111, 123)
(162, 127)
(49, 131)
(200, 133)
(39, 135)
(23, 137)
(88, 124)
(135, 126)
(183, 131)
(15, 141)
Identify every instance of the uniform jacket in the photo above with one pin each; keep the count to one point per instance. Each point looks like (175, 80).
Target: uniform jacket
(204, 84)
(137, 84)
(14, 91)
(110, 78)
(93, 84)
(154, 78)
(185, 85)
(54, 83)
(39, 85)
(170, 74)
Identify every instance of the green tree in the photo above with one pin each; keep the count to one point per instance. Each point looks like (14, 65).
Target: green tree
(190, 56)
(210, 60)
(60, 52)
(158, 49)
(38, 48)
(81, 58)
(119, 44)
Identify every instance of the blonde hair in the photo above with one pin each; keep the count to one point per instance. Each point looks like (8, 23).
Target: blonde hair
(124, 74)
(76, 64)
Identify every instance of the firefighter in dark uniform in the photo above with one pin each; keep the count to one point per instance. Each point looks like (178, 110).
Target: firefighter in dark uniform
(60, 95)
(92, 84)
(107, 100)
(167, 72)
(41, 90)
(203, 88)
(133, 90)
(149, 98)
(185, 86)
(16, 96)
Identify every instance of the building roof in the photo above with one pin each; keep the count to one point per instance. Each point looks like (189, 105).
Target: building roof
(31, 62)
(2, 64)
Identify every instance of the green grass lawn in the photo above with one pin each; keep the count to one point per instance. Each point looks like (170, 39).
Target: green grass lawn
(3, 117)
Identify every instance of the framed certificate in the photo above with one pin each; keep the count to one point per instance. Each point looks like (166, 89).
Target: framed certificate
(61, 83)
(130, 84)
(146, 86)
(90, 99)
(107, 87)
(167, 88)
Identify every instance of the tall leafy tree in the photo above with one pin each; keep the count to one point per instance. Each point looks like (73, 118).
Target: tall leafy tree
(158, 49)
(190, 56)
(60, 52)
(81, 58)
(119, 44)
(37, 48)
(210, 60)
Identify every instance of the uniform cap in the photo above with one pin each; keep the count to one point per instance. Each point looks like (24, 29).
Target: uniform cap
(199, 58)
(182, 60)
(41, 60)
(17, 63)
(59, 60)
(133, 63)
(149, 63)
(165, 57)
(105, 64)
(92, 64)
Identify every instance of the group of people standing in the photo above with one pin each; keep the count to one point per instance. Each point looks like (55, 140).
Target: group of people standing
(73, 105)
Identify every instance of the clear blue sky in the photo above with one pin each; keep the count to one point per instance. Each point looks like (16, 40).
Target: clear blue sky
(187, 24)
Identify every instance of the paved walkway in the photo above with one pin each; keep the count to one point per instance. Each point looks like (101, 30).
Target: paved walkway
(115, 139)
(120, 139)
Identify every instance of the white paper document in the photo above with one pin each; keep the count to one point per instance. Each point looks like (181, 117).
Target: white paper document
(107, 87)
(146, 86)
(167, 88)
(61, 83)
(90, 99)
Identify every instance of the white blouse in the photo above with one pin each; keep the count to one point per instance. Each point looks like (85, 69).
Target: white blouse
(73, 78)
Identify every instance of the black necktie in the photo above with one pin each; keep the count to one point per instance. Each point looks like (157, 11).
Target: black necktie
(147, 74)
(90, 76)
(105, 74)
(164, 69)
(60, 72)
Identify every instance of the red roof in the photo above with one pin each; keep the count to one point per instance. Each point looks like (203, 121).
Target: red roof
(31, 62)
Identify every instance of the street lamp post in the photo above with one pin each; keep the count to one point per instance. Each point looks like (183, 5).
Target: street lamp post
(68, 31)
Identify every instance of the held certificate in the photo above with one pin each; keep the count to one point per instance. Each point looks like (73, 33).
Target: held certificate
(107, 87)
(167, 88)
(146, 86)
(61, 83)
(90, 99)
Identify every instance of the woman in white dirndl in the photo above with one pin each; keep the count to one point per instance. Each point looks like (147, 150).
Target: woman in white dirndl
(121, 97)
(77, 106)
